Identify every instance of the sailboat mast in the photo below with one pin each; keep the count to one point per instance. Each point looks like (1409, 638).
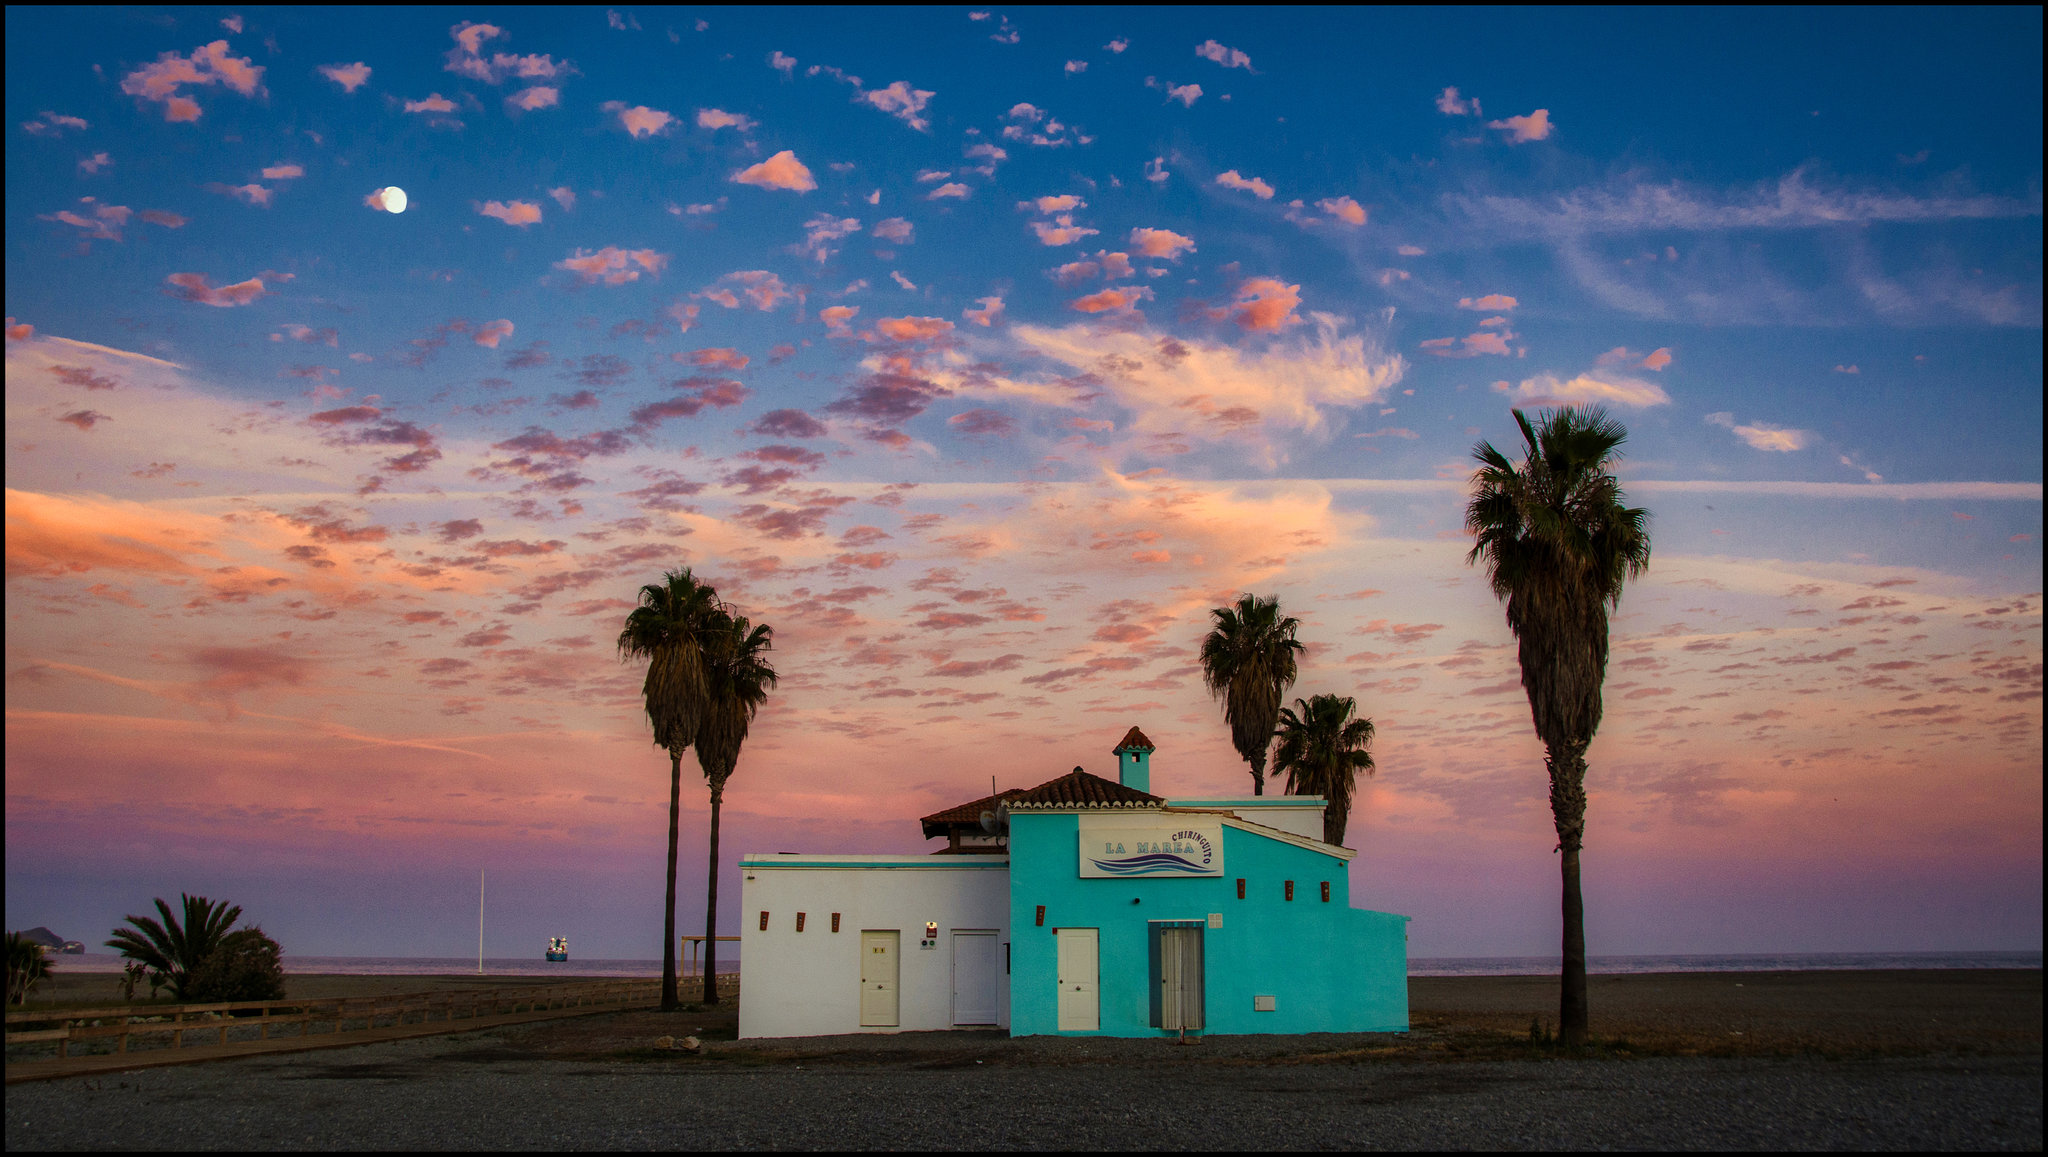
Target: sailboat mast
(479, 921)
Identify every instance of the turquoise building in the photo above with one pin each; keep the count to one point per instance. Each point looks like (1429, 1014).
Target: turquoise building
(1108, 910)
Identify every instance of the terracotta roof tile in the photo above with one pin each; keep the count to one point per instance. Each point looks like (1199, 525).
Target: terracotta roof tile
(936, 823)
(1079, 789)
(1135, 740)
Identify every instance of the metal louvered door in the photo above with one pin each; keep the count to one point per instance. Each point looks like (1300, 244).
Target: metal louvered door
(1180, 978)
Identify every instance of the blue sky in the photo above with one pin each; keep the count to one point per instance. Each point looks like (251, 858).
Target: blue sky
(982, 352)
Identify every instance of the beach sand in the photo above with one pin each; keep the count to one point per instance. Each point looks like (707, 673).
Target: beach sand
(1683, 1013)
(103, 989)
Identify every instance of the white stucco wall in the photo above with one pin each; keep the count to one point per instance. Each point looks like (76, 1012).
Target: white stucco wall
(808, 983)
(1300, 814)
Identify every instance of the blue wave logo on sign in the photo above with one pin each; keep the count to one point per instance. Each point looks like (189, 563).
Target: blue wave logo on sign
(1152, 863)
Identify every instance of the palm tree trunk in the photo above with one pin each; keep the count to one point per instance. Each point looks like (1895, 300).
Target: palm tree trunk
(1259, 774)
(1568, 808)
(668, 926)
(711, 902)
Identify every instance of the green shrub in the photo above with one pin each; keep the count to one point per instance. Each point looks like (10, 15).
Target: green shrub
(246, 966)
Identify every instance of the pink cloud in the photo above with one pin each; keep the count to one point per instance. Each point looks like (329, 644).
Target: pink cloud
(1450, 104)
(325, 335)
(1227, 57)
(537, 97)
(1488, 304)
(895, 229)
(1343, 209)
(1657, 359)
(991, 309)
(435, 103)
(836, 317)
(713, 118)
(105, 223)
(349, 76)
(1161, 243)
(1075, 272)
(1265, 304)
(761, 287)
(1063, 203)
(902, 102)
(639, 121)
(516, 213)
(949, 189)
(251, 194)
(1534, 127)
(719, 358)
(1549, 390)
(84, 419)
(491, 333)
(208, 64)
(1062, 231)
(283, 172)
(565, 197)
(194, 287)
(1186, 94)
(913, 328)
(1120, 300)
(1624, 356)
(781, 171)
(1253, 185)
(612, 265)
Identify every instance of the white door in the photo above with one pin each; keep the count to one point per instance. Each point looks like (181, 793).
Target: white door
(1080, 995)
(974, 978)
(878, 979)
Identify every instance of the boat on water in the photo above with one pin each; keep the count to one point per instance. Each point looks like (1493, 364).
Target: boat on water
(558, 949)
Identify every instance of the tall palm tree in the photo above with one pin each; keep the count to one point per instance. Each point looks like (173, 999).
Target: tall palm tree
(172, 951)
(738, 678)
(669, 629)
(1322, 750)
(1558, 544)
(1248, 661)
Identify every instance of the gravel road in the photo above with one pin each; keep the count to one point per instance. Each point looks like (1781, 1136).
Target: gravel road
(493, 1090)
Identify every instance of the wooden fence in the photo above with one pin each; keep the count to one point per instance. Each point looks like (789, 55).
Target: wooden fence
(213, 1021)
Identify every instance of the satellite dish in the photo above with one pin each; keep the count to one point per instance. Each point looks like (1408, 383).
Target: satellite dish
(988, 822)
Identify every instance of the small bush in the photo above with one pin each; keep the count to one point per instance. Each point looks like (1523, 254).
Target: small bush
(246, 966)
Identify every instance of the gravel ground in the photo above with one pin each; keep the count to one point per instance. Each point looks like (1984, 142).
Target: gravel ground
(508, 1089)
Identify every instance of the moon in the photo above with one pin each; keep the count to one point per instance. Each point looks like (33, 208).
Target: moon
(394, 199)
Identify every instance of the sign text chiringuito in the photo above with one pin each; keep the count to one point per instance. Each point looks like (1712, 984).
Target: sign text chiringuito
(1176, 848)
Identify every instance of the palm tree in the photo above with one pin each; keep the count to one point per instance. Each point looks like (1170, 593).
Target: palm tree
(668, 629)
(172, 951)
(1558, 544)
(1248, 661)
(1322, 750)
(738, 679)
(27, 967)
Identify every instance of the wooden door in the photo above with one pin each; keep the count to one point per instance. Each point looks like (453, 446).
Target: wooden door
(1080, 1003)
(878, 977)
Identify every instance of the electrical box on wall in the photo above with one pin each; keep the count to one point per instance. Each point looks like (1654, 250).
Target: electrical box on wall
(1264, 1004)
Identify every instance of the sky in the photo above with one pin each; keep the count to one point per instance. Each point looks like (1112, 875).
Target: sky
(981, 353)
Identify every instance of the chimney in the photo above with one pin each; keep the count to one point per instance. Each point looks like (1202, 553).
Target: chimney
(1133, 761)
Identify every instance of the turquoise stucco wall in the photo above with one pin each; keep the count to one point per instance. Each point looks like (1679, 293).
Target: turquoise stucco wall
(1330, 968)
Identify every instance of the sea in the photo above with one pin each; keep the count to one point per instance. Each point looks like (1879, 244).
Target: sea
(1419, 966)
